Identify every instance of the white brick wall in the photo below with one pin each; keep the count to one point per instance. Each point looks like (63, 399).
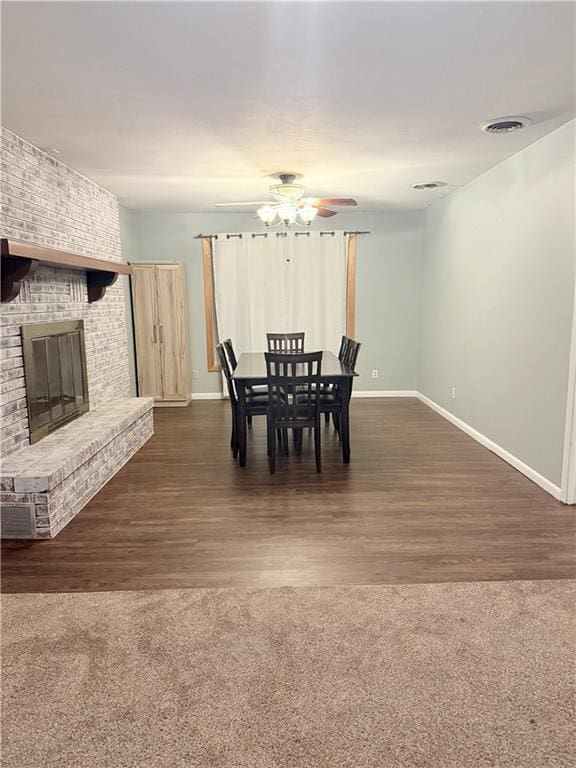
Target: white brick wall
(46, 202)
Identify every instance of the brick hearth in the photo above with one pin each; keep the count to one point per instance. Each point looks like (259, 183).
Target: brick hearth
(48, 483)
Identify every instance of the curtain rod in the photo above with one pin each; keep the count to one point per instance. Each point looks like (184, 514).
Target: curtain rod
(278, 234)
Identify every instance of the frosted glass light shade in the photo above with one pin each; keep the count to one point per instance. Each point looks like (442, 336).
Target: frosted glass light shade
(267, 214)
(287, 212)
(307, 214)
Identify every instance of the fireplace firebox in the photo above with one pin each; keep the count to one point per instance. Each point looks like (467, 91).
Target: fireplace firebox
(55, 374)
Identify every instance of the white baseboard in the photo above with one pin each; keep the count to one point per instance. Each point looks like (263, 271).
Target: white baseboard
(530, 473)
(207, 396)
(172, 403)
(385, 393)
(158, 403)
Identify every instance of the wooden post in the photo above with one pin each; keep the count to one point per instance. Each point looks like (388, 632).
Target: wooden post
(209, 304)
(351, 288)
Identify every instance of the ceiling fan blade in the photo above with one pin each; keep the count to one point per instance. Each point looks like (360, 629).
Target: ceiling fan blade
(325, 213)
(250, 202)
(336, 201)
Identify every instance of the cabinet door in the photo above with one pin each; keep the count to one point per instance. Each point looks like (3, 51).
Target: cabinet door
(173, 331)
(145, 310)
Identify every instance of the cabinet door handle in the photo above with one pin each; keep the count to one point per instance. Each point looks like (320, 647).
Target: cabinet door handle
(154, 338)
(161, 331)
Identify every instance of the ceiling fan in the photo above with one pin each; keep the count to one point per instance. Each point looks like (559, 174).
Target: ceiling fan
(289, 204)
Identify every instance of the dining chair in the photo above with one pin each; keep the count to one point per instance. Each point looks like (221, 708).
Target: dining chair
(293, 386)
(286, 343)
(351, 354)
(231, 355)
(344, 342)
(330, 399)
(257, 389)
(256, 403)
(343, 347)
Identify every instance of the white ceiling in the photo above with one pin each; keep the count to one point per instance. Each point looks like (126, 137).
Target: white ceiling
(176, 106)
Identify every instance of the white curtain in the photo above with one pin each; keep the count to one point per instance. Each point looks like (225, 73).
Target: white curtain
(280, 284)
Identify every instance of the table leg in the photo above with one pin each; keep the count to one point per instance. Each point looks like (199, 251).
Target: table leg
(345, 421)
(241, 427)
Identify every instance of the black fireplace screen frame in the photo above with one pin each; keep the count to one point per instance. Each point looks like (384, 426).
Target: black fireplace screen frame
(55, 374)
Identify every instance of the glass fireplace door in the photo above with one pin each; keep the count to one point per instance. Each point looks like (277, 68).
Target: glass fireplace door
(55, 374)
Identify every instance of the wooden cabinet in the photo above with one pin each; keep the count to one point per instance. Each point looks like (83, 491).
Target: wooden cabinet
(161, 331)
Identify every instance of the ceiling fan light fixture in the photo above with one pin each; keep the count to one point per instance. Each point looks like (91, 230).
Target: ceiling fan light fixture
(287, 213)
(307, 213)
(267, 214)
(289, 204)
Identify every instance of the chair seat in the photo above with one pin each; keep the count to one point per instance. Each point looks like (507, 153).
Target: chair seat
(325, 389)
(299, 417)
(257, 397)
(296, 423)
(257, 389)
(256, 407)
(325, 397)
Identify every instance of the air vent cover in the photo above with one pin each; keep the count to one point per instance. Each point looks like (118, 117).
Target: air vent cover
(429, 185)
(506, 124)
(17, 521)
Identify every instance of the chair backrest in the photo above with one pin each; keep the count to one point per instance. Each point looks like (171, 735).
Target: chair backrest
(229, 349)
(343, 348)
(286, 343)
(351, 355)
(227, 371)
(294, 386)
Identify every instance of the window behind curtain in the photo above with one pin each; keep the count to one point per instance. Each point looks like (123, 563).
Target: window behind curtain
(281, 284)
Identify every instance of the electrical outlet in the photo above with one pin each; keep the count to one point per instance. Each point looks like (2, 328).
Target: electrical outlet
(453, 393)
(375, 373)
(195, 374)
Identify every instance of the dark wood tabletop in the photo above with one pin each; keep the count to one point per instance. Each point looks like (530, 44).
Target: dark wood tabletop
(252, 367)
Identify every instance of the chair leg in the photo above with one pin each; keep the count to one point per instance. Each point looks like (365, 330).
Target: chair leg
(249, 420)
(327, 417)
(336, 420)
(285, 441)
(318, 446)
(234, 445)
(298, 436)
(270, 436)
(271, 448)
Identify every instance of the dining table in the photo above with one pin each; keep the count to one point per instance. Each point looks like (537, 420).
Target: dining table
(251, 371)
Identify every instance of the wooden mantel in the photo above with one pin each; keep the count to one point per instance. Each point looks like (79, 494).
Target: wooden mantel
(20, 260)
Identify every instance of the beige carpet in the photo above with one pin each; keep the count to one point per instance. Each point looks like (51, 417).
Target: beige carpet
(437, 676)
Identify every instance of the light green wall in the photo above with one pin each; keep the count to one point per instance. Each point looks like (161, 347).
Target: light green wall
(476, 294)
(388, 284)
(497, 299)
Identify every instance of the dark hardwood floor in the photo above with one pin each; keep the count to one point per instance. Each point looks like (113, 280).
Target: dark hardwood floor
(420, 502)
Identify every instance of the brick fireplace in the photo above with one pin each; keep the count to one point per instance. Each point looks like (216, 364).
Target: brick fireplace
(47, 203)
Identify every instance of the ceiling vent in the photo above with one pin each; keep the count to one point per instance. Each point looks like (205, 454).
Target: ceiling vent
(429, 185)
(506, 124)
